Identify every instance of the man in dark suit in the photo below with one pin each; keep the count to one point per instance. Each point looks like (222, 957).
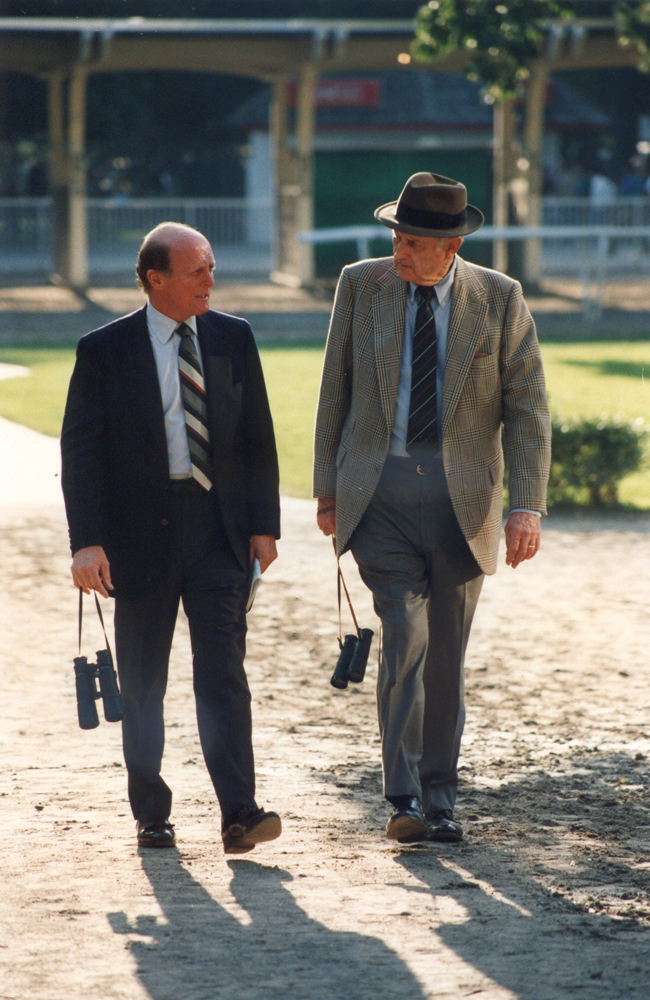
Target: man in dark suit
(170, 478)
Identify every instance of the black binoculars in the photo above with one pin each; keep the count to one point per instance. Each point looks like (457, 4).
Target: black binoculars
(353, 659)
(86, 677)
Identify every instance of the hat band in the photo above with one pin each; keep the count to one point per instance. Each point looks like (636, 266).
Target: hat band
(429, 220)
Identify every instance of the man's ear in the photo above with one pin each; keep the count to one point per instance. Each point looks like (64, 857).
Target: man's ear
(156, 279)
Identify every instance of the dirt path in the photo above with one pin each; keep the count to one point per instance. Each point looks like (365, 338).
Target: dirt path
(547, 898)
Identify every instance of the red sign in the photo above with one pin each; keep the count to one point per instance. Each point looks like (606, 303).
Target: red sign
(342, 92)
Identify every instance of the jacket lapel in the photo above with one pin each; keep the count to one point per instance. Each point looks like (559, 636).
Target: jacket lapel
(469, 311)
(388, 309)
(141, 363)
(224, 397)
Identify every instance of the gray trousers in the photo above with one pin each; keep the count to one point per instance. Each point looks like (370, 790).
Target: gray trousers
(425, 583)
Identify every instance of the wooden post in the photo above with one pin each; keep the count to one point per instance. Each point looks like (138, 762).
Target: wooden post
(504, 127)
(533, 141)
(282, 173)
(77, 272)
(67, 136)
(294, 183)
(57, 172)
(305, 127)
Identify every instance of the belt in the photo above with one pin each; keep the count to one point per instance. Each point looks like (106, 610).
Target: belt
(188, 485)
(413, 465)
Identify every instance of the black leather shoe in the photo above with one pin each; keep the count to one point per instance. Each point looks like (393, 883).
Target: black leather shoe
(407, 824)
(158, 834)
(444, 828)
(248, 827)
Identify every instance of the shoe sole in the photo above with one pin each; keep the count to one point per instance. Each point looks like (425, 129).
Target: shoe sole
(157, 843)
(406, 830)
(269, 828)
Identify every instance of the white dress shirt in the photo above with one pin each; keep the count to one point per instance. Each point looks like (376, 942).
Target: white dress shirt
(165, 343)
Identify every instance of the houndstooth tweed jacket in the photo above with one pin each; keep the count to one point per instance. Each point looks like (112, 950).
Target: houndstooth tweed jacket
(493, 400)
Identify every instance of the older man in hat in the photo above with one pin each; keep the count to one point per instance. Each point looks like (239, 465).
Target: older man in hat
(432, 371)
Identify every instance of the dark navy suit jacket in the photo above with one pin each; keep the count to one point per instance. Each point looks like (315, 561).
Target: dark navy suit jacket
(115, 464)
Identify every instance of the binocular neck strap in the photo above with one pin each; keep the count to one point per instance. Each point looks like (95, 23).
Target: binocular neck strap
(340, 581)
(101, 618)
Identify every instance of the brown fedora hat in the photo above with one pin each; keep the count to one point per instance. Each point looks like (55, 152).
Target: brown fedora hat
(431, 205)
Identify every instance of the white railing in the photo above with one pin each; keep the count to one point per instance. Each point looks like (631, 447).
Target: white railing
(592, 251)
(621, 211)
(240, 231)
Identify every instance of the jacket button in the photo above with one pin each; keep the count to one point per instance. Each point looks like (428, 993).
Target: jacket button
(164, 522)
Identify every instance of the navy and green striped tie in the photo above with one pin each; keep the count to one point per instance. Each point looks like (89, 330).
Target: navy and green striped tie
(195, 406)
(422, 432)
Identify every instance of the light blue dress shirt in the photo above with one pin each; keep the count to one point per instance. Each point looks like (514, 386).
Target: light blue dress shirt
(165, 343)
(441, 305)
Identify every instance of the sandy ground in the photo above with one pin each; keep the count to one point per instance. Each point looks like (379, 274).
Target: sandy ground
(49, 313)
(547, 898)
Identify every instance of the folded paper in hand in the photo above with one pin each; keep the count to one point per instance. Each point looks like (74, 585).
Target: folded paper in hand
(255, 580)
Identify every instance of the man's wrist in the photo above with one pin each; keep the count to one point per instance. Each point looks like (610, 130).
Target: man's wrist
(325, 505)
(524, 510)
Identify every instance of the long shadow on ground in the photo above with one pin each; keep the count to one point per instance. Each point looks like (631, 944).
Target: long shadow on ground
(539, 947)
(200, 951)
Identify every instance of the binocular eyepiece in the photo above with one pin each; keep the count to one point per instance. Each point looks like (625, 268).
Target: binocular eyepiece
(86, 677)
(353, 659)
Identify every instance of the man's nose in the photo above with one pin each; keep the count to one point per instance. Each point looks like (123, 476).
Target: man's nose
(210, 279)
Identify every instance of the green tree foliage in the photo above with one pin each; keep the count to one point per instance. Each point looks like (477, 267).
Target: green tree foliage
(501, 37)
(589, 459)
(633, 24)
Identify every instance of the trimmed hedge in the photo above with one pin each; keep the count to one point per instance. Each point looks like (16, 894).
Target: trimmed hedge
(590, 458)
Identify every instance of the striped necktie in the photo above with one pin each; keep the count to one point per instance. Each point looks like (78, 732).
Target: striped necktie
(422, 433)
(195, 406)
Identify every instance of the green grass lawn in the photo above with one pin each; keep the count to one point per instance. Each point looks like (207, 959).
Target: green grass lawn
(37, 401)
(584, 380)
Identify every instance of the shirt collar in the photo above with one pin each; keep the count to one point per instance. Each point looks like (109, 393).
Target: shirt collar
(443, 287)
(163, 327)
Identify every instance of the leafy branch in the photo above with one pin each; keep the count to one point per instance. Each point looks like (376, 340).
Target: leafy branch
(502, 37)
(633, 25)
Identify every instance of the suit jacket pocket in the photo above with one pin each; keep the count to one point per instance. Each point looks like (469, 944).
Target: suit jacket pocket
(346, 441)
(495, 469)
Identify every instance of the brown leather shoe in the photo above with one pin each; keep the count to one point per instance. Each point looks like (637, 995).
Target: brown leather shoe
(443, 828)
(248, 827)
(407, 824)
(158, 834)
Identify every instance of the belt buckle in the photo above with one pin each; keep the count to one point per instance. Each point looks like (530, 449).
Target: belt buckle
(423, 470)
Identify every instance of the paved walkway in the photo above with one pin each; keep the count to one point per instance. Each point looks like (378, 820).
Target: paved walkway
(31, 468)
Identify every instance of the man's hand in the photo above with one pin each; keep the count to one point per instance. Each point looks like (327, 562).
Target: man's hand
(326, 520)
(264, 547)
(523, 533)
(90, 570)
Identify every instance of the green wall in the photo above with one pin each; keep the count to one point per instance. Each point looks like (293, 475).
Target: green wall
(350, 185)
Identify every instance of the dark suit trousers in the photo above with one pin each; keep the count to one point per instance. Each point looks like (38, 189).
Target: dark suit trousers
(425, 583)
(212, 584)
